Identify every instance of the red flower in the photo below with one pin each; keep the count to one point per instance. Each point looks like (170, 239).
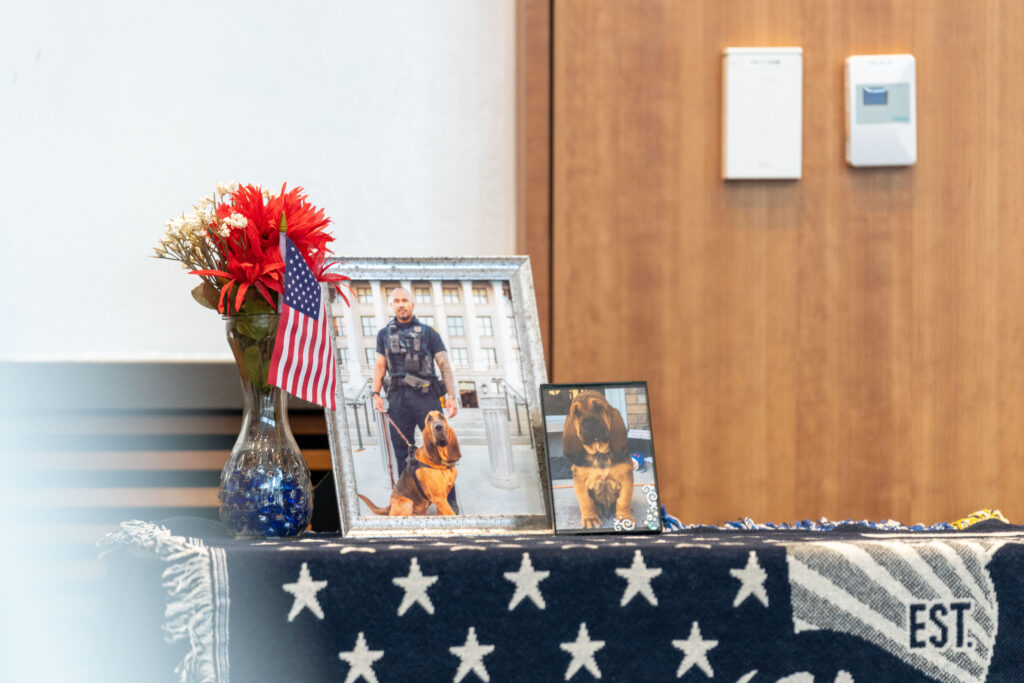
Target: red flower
(251, 254)
(259, 270)
(306, 224)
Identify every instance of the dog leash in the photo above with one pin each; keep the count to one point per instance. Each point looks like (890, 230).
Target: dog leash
(398, 430)
(391, 471)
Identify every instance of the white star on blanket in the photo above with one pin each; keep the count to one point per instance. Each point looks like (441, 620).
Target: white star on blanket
(305, 590)
(471, 657)
(639, 578)
(695, 650)
(752, 577)
(527, 581)
(415, 585)
(582, 651)
(360, 660)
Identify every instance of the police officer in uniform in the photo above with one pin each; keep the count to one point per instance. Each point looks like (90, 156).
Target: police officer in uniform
(406, 351)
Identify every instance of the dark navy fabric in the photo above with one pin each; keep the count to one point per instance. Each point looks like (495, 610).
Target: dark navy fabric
(684, 606)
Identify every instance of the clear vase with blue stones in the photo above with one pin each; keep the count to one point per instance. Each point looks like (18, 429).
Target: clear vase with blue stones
(265, 489)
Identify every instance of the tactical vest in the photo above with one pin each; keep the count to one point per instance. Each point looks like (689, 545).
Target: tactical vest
(406, 352)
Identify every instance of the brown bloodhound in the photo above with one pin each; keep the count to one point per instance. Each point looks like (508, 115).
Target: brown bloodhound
(429, 473)
(594, 441)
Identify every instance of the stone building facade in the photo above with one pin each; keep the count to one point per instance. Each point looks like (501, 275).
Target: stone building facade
(475, 319)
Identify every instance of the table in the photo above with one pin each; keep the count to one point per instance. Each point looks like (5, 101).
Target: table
(845, 605)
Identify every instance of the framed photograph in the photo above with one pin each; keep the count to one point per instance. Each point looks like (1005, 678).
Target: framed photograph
(447, 335)
(602, 475)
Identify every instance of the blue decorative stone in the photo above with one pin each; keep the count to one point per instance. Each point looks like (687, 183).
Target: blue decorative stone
(264, 503)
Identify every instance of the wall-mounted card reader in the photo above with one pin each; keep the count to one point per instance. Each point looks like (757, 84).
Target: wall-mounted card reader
(881, 112)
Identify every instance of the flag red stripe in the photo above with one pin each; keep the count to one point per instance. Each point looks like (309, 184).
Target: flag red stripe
(275, 357)
(332, 379)
(281, 346)
(326, 368)
(330, 370)
(287, 331)
(295, 358)
(319, 377)
(301, 362)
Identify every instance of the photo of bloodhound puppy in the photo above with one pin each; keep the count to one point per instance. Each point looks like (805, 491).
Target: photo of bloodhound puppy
(594, 441)
(429, 473)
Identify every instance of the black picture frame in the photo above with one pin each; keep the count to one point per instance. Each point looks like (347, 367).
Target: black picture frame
(565, 478)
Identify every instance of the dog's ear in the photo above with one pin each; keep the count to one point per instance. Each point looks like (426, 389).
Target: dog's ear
(454, 452)
(619, 433)
(428, 439)
(572, 446)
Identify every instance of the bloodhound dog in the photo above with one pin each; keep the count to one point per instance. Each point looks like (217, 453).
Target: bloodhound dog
(429, 473)
(594, 441)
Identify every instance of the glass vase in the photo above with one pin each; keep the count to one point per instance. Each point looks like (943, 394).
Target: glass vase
(265, 489)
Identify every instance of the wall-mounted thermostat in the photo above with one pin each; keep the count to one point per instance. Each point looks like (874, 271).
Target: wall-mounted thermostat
(762, 104)
(881, 110)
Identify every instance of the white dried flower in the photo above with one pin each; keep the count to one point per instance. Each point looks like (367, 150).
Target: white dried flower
(226, 188)
(266, 195)
(236, 220)
(191, 219)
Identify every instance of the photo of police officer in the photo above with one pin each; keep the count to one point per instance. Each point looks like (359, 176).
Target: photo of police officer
(407, 347)
(407, 351)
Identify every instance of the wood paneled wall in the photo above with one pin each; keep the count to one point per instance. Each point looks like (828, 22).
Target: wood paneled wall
(533, 151)
(848, 345)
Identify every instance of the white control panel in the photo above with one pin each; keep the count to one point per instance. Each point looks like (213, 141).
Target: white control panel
(881, 110)
(762, 106)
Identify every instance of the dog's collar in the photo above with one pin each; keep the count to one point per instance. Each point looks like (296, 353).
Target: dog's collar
(445, 466)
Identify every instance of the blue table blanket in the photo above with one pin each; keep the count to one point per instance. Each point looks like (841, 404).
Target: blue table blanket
(843, 606)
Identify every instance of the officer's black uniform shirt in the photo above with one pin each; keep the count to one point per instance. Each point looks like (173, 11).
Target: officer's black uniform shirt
(431, 340)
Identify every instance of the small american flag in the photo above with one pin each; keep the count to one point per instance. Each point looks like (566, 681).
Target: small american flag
(303, 360)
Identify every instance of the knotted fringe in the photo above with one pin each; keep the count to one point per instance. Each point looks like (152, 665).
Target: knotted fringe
(190, 592)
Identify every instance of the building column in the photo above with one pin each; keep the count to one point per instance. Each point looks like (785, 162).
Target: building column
(381, 317)
(476, 354)
(513, 372)
(499, 445)
(440, 317)
(355, 346)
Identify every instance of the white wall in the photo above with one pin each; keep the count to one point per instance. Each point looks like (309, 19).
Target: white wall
(397, 117)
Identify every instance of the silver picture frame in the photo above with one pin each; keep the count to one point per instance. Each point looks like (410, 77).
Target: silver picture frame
(517, 472)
